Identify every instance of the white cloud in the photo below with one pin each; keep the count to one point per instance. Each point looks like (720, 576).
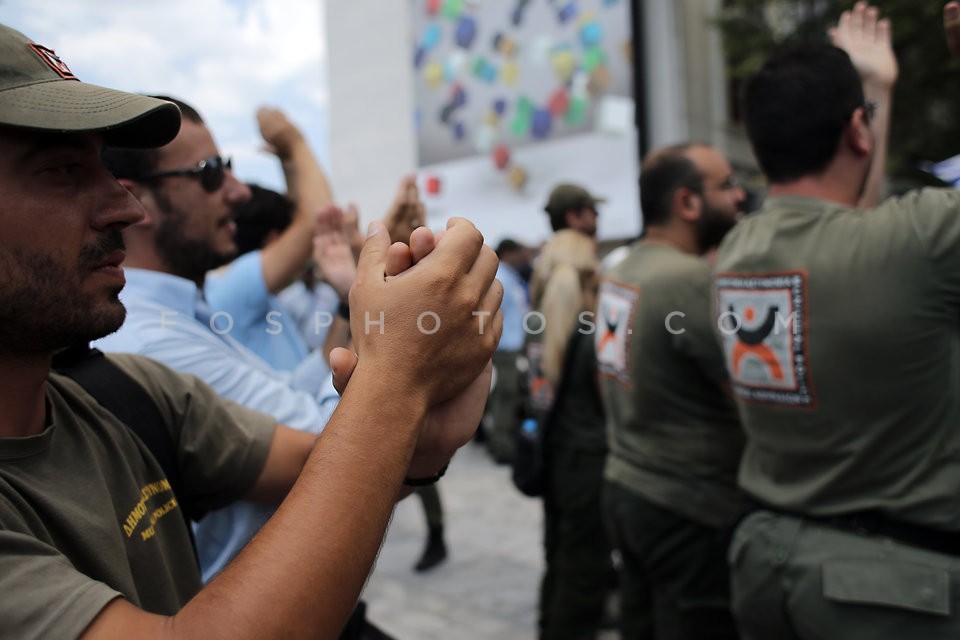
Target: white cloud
(226, 57)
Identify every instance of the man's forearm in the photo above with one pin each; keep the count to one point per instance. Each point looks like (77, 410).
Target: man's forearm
(319, 536)
(880, 94)
(309, 189)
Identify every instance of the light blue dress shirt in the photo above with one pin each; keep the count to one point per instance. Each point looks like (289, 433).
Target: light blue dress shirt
(514, 306)
(260, 321)
(312, 309)
(168, 320)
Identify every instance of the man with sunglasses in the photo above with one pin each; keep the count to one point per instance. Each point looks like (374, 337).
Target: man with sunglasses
(839, 327)
(189, 194)
(91, 544)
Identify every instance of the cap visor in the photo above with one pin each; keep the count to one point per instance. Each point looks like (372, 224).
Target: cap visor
(124, 119)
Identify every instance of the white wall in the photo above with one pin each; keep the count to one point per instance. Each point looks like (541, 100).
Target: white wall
(665, 74)
(371, 102)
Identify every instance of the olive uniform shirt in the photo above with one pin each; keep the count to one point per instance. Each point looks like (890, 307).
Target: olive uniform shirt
(673, 433)
(841, 331)
(86, 514)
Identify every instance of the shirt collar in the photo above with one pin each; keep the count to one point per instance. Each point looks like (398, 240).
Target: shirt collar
(173, 292)
(802, 203)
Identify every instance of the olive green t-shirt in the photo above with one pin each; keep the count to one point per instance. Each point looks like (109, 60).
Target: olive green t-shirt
(841, 332)
(672, 430)
(86, 514)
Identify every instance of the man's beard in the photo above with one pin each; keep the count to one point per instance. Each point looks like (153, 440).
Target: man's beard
(42, 308)
(712, 227)
(185, 257)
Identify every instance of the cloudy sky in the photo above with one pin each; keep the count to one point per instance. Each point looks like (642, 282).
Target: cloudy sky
(225, 57)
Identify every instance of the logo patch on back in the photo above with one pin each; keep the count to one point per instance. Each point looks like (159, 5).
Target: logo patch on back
(763, 322)
(53, 61)
(614, 334)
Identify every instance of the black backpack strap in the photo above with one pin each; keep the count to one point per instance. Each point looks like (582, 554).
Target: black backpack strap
(123, 396)
(568, 356)
(119, 394)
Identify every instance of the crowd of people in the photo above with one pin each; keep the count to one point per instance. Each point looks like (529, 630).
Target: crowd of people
(773, 449)
(232, 470)
(744, 426)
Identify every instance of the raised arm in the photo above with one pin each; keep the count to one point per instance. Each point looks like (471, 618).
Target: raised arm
(313, 556)
(332, 252)
(406, 212)
(867, 40)
(307, 185)
(334, 257)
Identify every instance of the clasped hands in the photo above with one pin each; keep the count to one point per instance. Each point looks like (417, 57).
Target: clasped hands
(427, 317)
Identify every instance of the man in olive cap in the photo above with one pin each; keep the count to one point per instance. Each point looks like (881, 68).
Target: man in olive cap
(92, 542)
(570, 206)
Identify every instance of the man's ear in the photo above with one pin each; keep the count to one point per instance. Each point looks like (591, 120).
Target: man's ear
(858, 135)
(144, 195)
(687, 204)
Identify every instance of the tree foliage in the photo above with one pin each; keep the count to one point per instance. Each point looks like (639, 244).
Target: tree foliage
(927, 96)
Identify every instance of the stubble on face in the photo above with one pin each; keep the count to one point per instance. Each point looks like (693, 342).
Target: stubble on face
(715, 220)
(44, 305)
(586, 222)
(714, 223)
(186, 257)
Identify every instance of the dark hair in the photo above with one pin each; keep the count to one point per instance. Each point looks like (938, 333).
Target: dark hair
(507, 245)
(796, 107)
(266, 211)
(662, 173)
(133, 163)
(558, 219)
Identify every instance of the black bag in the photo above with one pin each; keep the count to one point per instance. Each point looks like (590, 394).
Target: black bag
(530, 459)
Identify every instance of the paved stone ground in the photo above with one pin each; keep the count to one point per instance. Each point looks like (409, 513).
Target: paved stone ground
(487, 588)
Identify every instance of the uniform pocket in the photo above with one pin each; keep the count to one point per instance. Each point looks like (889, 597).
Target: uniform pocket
(902, 585)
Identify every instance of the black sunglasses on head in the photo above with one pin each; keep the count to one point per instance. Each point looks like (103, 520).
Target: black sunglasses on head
(211, 173)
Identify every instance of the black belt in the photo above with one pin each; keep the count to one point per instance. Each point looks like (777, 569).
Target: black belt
(876, 523)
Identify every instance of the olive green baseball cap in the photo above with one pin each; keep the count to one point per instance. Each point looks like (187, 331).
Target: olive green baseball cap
(38, 91)
(566, 197)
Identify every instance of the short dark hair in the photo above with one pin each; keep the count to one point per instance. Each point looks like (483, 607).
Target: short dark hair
(661, 174)
(558, 219)
(796, 107)
(133, 163)
(507, 245)
(266, 211)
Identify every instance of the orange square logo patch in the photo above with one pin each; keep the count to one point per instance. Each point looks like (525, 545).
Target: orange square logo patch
(53, 61)
(762, 322)
(614, 330)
